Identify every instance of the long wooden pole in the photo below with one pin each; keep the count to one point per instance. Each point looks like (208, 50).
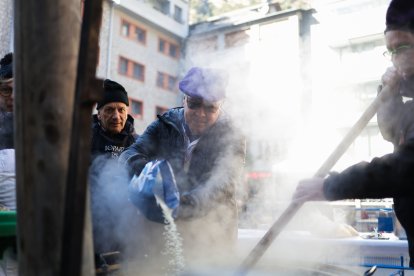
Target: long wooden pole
(45, 60)
(294, 207)
(87, 94)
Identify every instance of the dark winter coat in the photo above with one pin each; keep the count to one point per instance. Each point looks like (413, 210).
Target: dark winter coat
(6, 130)
(111, 145)
(214, 172)
(389, 176)
(107, 185)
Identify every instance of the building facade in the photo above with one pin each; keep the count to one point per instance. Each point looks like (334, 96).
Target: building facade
(6, 27)
(141, 46)
(294, 74)
(300, 79)
(348, 62)
(264, 50)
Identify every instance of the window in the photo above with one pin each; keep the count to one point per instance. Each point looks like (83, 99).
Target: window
(140, 34)
(160, 110)
(165, 7)
(237, 38)
(125, 28)
(160, 79)
(173, 50)
(171, 83)
(168, 48)
(123, 66)
(178, 14)
(136, 108)
(166, 81)
(138, 72)
(161, 45)
(131, 69)
(208, 44)
(162, 6)
(133, 32)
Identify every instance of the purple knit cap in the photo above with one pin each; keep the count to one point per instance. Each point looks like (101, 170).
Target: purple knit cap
(400, 15)
(208, 84)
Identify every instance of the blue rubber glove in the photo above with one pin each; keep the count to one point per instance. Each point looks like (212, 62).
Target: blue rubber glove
(156, 180)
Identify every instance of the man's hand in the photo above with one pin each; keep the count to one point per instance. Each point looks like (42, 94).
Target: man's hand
(391, 81)
(309, 190)
(188, 206)
(188, 199)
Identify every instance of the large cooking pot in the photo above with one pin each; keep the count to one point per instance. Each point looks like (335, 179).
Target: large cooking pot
(285, 269)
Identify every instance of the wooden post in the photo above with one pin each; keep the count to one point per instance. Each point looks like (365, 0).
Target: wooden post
(88, 92)
(46, 53)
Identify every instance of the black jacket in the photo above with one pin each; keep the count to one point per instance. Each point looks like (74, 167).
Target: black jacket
(107, 187)
(219, 154)
(6, 130)
(111, 145)
(389, 176)
(208, 225)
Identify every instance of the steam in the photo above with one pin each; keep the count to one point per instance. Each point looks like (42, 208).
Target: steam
(293, 111)
(119, 226)
(294, 107)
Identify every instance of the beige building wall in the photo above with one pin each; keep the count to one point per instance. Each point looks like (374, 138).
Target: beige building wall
(6, 27)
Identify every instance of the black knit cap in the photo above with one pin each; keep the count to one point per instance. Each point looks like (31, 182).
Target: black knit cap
(400, 16)
(113, 92)
(6, 67)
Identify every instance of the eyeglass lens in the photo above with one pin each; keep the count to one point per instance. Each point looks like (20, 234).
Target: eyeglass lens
(6, 91)
(398, 50)
(197, 104)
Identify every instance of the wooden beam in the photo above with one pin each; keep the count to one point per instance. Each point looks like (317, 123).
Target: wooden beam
(88, 90)
(46, 54)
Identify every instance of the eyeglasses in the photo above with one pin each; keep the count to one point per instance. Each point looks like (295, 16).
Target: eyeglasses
(399, 50)
(6, 91)
(198, 103)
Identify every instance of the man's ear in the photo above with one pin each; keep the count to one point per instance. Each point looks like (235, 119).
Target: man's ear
(99, 114)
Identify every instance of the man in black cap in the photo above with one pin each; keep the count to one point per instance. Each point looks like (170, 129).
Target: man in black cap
(391, 175)
(113, 128)
(112, 132)
(206, 154)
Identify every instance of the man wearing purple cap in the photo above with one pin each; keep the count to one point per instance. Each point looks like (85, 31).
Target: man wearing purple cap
(206, 154)
(391, 175)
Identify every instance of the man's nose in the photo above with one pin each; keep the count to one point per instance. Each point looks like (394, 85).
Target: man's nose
(397, 59)
(116, 115)
(202, 111)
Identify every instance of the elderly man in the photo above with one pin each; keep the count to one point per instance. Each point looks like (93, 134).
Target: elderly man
(112, 132)
(7, 157)
(6, 102)
(113, 127)
(391, 175)
(206, 154)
